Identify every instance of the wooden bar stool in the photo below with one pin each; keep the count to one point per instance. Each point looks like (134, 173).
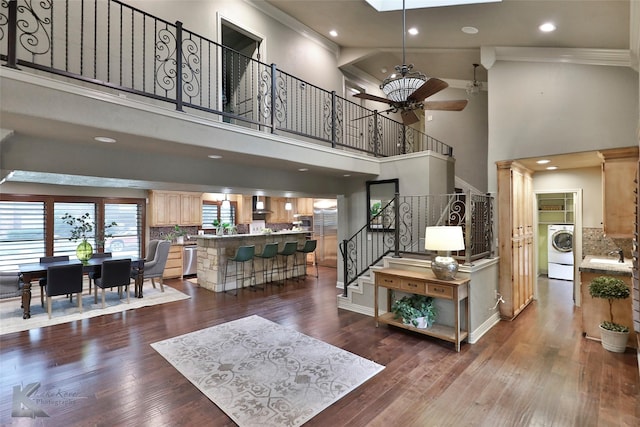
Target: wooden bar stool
(243, 254)
(269, 253)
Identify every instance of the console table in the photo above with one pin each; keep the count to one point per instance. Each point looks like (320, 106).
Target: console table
(424, 283)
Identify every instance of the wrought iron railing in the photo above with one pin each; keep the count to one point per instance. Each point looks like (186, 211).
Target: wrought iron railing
(111, 44)
(399, 227)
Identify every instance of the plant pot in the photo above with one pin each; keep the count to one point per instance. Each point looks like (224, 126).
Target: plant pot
(423, 322)
(180, 240)
(613, 341)
(84, 251)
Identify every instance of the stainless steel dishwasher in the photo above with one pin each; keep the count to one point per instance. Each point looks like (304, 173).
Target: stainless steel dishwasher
(189, 260)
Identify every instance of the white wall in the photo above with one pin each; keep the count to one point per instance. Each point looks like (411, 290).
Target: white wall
(538, 109)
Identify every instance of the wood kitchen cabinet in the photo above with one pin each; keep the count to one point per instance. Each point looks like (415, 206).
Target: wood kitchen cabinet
(173, 267)
(618, 173)
(515, 237)
(304, 206)
(278, 212)
(245, 210)
(167, 208)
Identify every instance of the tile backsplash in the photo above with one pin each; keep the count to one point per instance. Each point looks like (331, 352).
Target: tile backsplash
(594, 242)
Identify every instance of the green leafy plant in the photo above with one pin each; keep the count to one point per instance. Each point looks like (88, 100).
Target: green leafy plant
(610, 288)
(82, 227)
(178, 231)
(216, 223)
(410, 308)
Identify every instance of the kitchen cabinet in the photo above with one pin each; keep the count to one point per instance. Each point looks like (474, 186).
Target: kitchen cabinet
(173, 267)
(515, 237)
(167, 208)
(278, 212)
(304, 206)
(245, 210)
(618, 173)
(424, 283)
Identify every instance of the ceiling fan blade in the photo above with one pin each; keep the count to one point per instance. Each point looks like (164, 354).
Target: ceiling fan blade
(409, 117)
(446, 105)
(428, 88)
(371, 97)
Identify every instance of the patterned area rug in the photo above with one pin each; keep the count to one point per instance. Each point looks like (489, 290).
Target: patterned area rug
(63, 311)
(263, 374)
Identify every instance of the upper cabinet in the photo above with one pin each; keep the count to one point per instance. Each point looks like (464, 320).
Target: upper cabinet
(168, 208)
(618, 173)
(279, 213)
(304, 206)
(245, 210)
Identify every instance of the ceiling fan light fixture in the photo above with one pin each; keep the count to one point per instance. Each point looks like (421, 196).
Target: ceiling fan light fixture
(398, 89)
(474, 87)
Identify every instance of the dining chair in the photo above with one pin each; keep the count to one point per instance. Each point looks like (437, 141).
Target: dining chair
(157, 255)
(64, 280)
(43, 281)
(93, 275)
(115, 273)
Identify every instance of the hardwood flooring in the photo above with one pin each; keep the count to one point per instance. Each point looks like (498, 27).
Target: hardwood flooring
(535, 371)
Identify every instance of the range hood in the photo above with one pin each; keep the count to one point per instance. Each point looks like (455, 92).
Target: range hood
(265, 210)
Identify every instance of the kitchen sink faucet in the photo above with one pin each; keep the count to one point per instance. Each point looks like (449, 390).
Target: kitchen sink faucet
(620, 254)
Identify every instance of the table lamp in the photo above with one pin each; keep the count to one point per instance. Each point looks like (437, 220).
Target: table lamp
(444, 239)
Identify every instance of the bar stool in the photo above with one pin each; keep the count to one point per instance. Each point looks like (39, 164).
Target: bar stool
(309, 247)
(243, 254)
(288, 250)
(269, 253)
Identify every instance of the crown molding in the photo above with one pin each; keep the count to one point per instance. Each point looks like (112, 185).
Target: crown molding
(607, 57)
(295, 25)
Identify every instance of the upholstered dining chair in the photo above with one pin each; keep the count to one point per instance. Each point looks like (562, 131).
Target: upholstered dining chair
(93, 275)
(157, 254)
(64, 280)
(43, 281)
(115, 273)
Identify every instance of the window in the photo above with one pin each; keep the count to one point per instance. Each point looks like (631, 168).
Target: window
(22, 226)
(125, 236)
(62, 231)
(212, 211)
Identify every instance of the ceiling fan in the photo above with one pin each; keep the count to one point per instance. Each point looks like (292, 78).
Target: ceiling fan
(407, 90)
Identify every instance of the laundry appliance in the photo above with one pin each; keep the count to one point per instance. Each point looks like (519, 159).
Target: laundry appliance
(560, 251)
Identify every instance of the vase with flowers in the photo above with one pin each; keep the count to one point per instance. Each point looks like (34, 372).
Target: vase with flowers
(81, 228)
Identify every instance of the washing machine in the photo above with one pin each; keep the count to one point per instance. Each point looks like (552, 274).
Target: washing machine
(560, 251)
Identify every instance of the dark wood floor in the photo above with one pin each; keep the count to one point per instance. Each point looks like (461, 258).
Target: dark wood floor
(534, 371)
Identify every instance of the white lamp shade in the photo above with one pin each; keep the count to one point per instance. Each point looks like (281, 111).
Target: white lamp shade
(444, 238)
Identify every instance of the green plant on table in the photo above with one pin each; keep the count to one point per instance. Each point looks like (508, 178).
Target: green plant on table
(178, 231)
(610, 288)
(410, 308)
(82, 226)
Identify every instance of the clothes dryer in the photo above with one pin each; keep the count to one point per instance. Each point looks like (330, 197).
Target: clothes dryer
(560, 251)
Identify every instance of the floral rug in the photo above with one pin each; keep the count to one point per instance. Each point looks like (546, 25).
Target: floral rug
(263, 374)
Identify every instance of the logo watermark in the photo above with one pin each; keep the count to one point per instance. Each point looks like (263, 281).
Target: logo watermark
(28, 403)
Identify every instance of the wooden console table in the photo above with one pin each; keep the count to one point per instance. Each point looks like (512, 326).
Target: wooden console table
(424, 283)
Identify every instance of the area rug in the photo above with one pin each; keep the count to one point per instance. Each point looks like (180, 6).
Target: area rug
(63, 311)
(263, 374)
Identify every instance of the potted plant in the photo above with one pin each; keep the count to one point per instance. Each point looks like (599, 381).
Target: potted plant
(179, 234)
(218, 227)
(415, 310)
(614, 336)
(81, 228)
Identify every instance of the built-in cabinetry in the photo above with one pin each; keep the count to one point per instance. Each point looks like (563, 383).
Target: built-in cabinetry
(555, 208)
(515, 237)
(304, 206)
(618, 174)
(173, 267)
(167, 208)
(424, 283)
(279, 214)
(245, 209)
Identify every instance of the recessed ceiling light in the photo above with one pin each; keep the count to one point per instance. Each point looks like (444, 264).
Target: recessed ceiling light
(413, 31)
(303, 169)
(333, 33)
(105, 139)
(214, 156)
(543, 161)
(383, 70)
(552, 168)
(346, 175)
(470, 30)
(547, 27)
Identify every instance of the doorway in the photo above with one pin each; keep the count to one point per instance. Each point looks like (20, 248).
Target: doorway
(239, 93)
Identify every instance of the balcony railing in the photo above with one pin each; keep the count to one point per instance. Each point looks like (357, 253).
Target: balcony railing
(399, 229)
(116, 46)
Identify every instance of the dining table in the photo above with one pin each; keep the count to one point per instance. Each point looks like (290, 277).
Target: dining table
(34, 271)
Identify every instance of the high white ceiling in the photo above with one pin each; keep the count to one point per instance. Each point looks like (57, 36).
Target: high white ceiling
(441, 49)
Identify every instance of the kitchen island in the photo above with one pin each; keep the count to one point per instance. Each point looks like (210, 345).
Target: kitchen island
(213, 252)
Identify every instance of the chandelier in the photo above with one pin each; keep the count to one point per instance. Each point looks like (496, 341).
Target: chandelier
(473, 88)
(398, 86)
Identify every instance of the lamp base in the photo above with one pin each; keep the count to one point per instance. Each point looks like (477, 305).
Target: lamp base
(444, 267)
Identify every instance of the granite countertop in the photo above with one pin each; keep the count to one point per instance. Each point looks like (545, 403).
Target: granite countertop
(228, 236)
(605, 265)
